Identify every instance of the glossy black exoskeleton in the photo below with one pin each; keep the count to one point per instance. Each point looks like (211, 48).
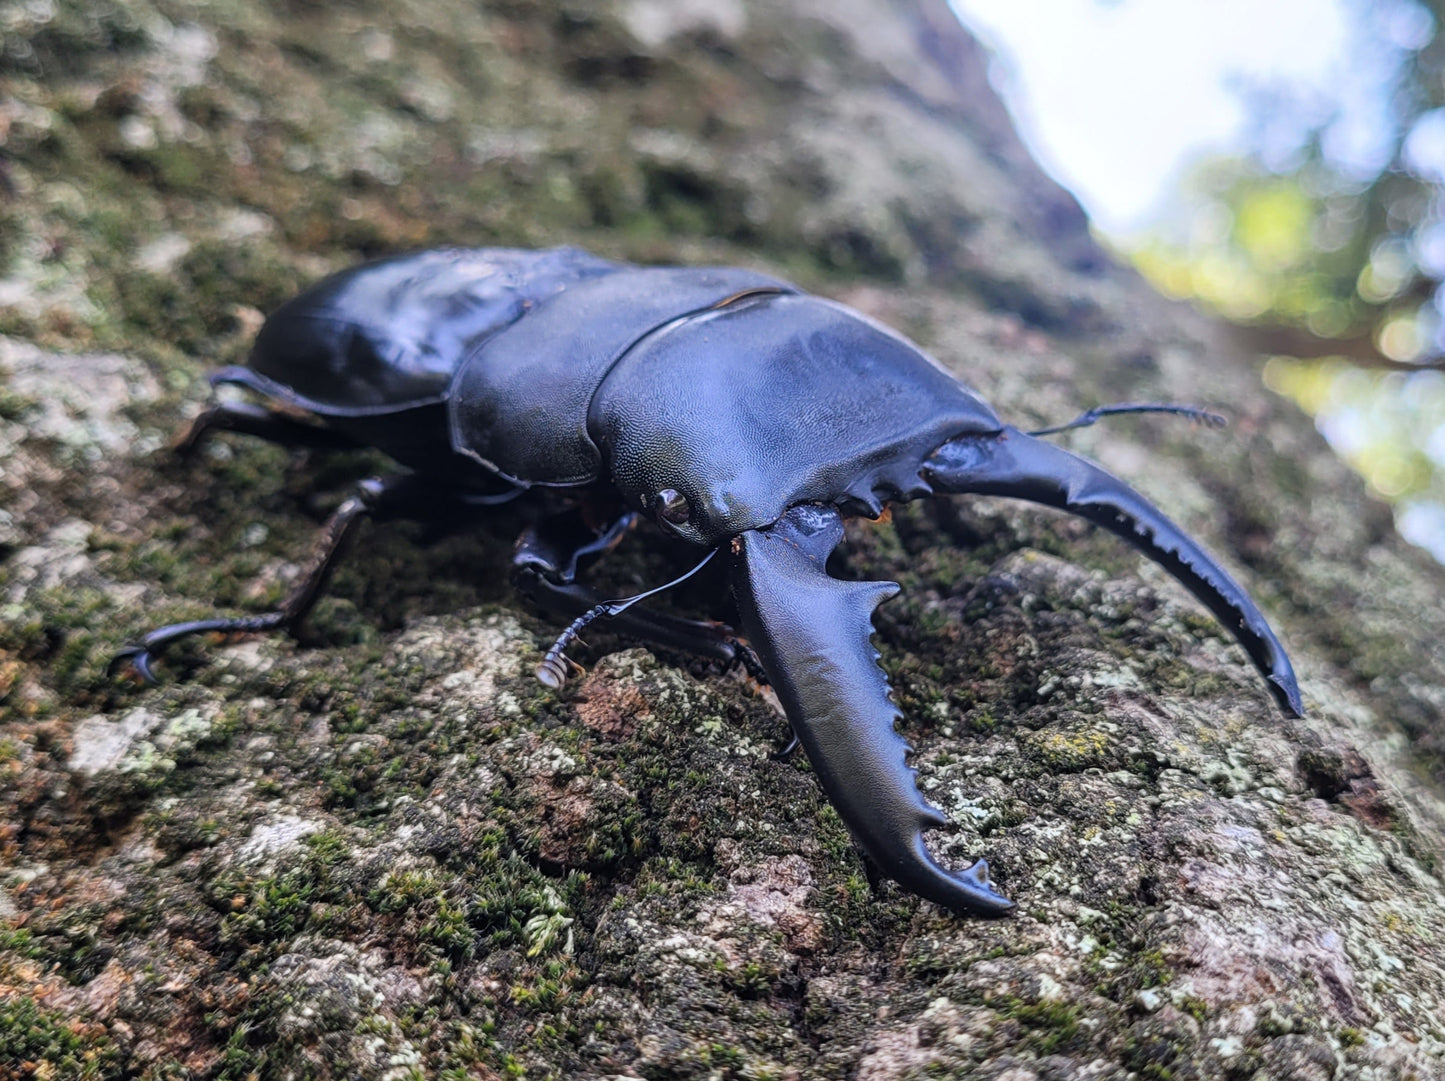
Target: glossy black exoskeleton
(735, 412)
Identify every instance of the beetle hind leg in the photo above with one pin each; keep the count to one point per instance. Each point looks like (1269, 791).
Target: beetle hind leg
(142, 655)
(379, 498)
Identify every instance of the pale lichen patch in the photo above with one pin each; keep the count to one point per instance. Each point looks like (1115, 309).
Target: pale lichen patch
(276, 835)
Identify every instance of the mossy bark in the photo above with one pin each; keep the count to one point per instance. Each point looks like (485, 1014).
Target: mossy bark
(386, 851)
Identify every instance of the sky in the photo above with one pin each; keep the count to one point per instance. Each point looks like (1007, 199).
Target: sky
(1117, 97)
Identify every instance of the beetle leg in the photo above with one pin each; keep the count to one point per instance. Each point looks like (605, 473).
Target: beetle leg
(1011, 463)
(813, 634)
(545, 567)
(249, 418)
(701, 638)
(555, 665)
(787, 750)
(381, 498)
(748, 660)
(563, 545)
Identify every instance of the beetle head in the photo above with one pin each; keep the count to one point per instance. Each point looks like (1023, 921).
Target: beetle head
(717, 423)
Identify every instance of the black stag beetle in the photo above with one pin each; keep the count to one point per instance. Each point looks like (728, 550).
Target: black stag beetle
(739, 414)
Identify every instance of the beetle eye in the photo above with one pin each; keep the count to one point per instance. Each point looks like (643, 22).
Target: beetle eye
(672, 507)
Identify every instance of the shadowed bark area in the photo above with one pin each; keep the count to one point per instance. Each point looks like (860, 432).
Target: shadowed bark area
(387, 851)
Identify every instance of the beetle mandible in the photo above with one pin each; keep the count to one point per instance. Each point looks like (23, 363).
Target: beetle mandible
(731, 409)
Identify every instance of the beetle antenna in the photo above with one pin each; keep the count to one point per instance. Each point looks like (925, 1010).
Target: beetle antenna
(555, 666)
(1083, 420)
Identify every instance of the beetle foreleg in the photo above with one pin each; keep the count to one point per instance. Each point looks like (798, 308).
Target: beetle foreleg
(699, 637)
(550, 555)
(787, 750)
(553, 669)
(562, 545)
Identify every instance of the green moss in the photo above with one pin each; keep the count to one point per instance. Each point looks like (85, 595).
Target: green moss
(278, 909)
(1195, 1007)
(449, 931)
(1049, 1026)
(15, 407)
(327, 848)
(674, 878)
(316, 894)
(1155, 1057)
(402, 890)
(752, 979)
(179, 168)
(982, 718)
(1149, 968)
(194, 306)
(19, 941)
(39, 1042)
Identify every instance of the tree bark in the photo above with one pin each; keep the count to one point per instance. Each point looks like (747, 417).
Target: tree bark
(388, 852)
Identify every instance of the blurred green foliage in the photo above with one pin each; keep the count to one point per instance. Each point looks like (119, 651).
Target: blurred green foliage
(1327, 247)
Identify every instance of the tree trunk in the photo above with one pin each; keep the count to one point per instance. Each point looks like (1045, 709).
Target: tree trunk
(387, 851)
